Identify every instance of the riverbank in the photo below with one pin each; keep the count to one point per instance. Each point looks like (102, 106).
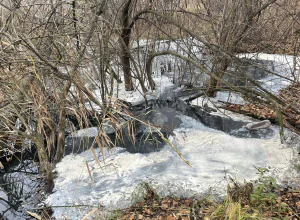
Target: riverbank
(267, 201)
(291, 119)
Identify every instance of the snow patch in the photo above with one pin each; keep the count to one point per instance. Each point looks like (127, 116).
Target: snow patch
(283, 66)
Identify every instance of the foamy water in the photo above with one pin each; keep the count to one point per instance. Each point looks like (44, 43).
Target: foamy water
(213, 154)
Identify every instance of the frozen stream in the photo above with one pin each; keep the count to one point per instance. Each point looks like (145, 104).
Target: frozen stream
(213, 154)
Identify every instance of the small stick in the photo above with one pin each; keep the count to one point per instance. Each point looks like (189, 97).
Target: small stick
(95, 156)
(87, 165)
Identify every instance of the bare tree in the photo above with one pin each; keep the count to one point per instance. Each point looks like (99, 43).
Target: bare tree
(54, 54)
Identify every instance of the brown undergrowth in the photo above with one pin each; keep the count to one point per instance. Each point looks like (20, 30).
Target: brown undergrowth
(291, 96)
(243, 201)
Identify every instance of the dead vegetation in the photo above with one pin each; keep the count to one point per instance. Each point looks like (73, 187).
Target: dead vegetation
(243, 201)
(291, 119)
(53, 54)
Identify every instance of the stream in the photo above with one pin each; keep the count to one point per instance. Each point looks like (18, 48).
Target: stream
(217, 146)
(19, 187)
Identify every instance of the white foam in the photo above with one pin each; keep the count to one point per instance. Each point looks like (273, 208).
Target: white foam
(213, 155)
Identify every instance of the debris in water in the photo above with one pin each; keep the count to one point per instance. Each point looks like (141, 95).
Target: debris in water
(258, 125)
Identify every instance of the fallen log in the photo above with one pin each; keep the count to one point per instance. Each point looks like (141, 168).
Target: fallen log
(274, 120)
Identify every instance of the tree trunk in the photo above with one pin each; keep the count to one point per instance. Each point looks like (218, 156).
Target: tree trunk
(75, 20)
(149, 73)
(60, 148)
(45, 165)
(212, 89)
(125, 37)
(127, 70)
(220, 69)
